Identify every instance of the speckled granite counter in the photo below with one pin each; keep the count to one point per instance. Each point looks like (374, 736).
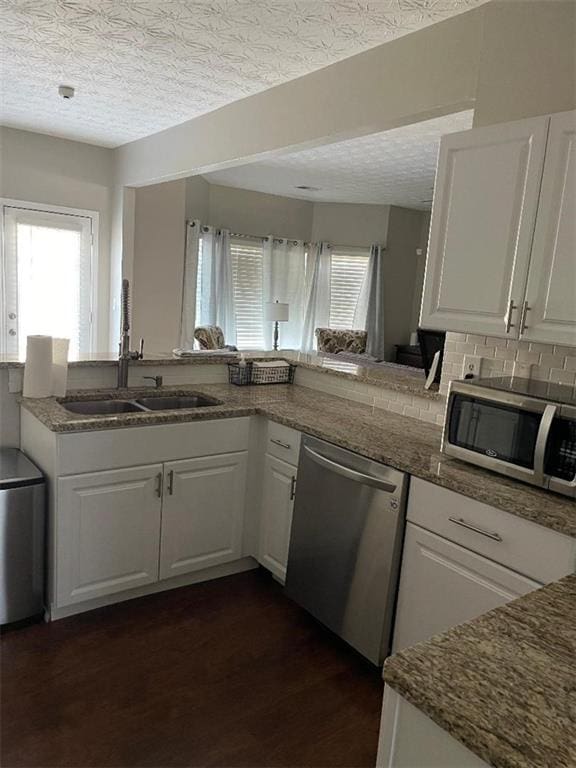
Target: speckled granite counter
(401, 442)
(504, 684)
(394, 378)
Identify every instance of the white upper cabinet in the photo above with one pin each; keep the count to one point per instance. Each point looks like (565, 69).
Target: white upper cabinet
(485, 205)
(550, 308)
(502, 251)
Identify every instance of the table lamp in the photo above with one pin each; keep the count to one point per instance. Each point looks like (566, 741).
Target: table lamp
(276, 312)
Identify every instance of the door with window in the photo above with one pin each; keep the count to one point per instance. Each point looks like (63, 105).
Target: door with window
(47, 277)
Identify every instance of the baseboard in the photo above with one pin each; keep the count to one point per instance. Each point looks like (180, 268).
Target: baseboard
(207, 574)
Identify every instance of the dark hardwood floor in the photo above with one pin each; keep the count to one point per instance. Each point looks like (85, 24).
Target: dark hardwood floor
(225, 673)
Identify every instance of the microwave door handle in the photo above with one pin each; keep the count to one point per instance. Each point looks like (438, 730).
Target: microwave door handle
(542, 441)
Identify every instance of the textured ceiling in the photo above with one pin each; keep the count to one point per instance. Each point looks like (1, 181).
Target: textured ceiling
(140, 66)
(396, 167)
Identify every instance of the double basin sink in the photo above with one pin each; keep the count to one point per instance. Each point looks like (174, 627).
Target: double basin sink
(140, 405)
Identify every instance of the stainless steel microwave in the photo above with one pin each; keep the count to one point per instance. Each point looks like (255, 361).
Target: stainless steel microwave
(522, 428)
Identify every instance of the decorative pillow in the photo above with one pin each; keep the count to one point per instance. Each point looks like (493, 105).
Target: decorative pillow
(332, 340)
(209, 337)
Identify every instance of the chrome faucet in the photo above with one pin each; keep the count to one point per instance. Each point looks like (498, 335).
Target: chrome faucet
(125, 355)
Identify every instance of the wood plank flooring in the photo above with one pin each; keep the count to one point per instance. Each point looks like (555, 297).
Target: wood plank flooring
(226, 673)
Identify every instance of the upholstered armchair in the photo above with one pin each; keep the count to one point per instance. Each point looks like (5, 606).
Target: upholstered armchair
(210, 337)
(334, 341)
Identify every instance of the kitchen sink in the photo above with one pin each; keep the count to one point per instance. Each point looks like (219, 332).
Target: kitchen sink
(169, 402)
(102, 407)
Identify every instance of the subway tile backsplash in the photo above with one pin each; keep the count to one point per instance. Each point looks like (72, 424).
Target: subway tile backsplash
(502, 357)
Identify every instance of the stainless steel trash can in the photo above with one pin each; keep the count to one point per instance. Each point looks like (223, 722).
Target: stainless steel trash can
(22, 537)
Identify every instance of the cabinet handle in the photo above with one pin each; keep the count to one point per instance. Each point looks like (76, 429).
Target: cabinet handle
(508, 319)
(293, 488)
(280, 443)
(159, 484)
(525, 310)
(471, 527)
(171, 482)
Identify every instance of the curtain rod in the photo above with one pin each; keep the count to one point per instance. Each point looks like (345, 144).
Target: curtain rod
(289, 240)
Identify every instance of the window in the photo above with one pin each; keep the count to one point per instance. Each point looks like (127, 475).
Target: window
(348, 270)
(246, 257)
(247, 276)
(47, 283)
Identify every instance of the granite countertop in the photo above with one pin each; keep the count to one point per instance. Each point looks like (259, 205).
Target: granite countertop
(503, 684)
(404, 443)
(392, 377)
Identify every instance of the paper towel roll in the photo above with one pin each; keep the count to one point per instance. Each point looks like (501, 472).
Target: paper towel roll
(59, 366)
(38, 368)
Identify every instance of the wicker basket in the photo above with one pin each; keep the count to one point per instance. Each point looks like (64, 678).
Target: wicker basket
(242, 375)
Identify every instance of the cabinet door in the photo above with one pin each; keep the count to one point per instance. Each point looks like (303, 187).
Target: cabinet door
(203, 512)
(551, 292)
(107, 532)
(485, 204)
(276, 516)
(442, 585)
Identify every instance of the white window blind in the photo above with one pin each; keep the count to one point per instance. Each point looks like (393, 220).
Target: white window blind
(47, 280)
(348, 270)
(247, 275)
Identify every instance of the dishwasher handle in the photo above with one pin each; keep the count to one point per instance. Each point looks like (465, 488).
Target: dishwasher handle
(350, 474)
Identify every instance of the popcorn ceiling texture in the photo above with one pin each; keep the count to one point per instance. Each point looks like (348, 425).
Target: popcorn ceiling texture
(506, 357)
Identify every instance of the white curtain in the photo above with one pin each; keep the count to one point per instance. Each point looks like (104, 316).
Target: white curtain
(215, 304)
(317, 294)
(188, 316)
(284, 267)
(375, 313)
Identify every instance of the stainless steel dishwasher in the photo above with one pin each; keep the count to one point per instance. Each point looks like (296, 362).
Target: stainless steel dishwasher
(345, 545)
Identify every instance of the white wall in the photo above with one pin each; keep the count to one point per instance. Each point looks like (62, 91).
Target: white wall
(158, 269)
(401, 275)
(350, 223)
(43, 169)
(256, 213)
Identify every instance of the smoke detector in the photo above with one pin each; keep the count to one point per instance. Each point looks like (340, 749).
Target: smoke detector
(66, 91)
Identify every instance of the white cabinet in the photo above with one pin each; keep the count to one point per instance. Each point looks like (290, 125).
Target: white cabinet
(502, 250)
(202, 513)
(462, 558)
(279, 484)
(551, 291)
(410, 739)
(443, 584)
(108, 532)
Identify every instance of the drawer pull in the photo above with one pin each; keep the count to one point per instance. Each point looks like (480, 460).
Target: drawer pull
(280, 443)
(471, 527)
(171, 482)
(293, 488)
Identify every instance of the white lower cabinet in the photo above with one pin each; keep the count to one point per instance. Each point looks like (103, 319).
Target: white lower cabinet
(279, 485)
(410, 739)
(461, 559)
(443, 584)
(202, 513)
(108, 532)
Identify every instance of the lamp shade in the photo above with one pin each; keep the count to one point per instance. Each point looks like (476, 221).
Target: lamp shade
(275, 310)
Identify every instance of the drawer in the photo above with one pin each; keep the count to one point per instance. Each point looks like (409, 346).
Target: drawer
(283, 442)
(528, 548)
